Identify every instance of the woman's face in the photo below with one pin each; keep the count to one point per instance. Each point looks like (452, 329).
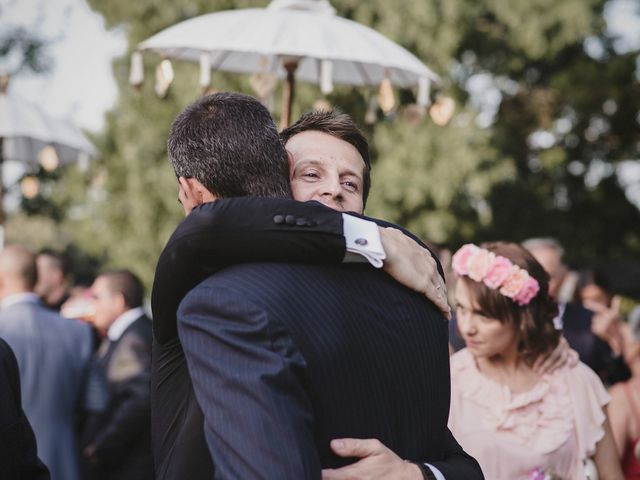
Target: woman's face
(485, 337)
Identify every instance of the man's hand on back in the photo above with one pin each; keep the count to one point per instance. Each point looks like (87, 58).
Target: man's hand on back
(376, 462)
(413, 266)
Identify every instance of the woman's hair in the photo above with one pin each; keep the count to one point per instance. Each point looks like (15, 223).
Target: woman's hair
(533, 322)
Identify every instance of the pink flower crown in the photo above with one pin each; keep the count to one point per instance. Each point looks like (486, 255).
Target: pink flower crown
(496, 272)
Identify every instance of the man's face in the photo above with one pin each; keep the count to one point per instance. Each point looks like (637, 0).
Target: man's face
(106, 304)
(550, 261)
(49, 277)
(326, 169)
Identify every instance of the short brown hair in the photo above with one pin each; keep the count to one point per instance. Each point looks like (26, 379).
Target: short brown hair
(533, 322)
(338, 125)
(126, 283)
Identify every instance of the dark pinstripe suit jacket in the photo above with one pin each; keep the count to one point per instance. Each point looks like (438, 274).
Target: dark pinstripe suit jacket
(176, 416)
(18, 449)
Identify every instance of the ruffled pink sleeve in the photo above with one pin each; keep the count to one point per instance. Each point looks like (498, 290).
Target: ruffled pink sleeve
(588, 398)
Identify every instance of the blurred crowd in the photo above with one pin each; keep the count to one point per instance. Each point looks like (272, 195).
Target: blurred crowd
(84, 353)
(84, 356)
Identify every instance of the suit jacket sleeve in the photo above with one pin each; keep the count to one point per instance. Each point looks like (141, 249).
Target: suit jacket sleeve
(240, 230)
(248, 379)
(456, 463)
(18, 450)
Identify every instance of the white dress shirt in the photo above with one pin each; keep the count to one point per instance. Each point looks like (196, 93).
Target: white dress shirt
(121, 323)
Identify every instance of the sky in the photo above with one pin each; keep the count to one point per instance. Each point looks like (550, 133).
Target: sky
(80, 87)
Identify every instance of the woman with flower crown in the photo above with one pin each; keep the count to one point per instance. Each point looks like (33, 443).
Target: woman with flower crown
(516, 423)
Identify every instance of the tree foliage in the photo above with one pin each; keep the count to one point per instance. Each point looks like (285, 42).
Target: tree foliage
(543, 162)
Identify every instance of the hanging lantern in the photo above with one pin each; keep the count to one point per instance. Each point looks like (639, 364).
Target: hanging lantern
(30, 186)
(48, 158)
(442, 110)
(205, 70)
(424, 87)
(164, 77)
(386, 98)
(136, 71)
(326, 77)
(321, 105)
(371, 114)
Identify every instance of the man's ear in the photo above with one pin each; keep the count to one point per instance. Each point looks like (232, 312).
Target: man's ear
(193, 193)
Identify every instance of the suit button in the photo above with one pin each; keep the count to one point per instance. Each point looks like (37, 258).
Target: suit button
(301, 222)
(278, 219)
(312, 223)
(361, 241)
(290, 219)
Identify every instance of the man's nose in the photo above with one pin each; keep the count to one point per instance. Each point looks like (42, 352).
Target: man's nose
(332, 188)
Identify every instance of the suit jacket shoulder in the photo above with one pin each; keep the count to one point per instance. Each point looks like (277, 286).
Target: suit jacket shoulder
(239, 230)
(18, 451)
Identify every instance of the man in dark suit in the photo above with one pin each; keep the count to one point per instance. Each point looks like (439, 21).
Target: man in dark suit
(575, 320)
(293, 375)
(336, 174)
(18, 451)
(54, 355)
(119, 446)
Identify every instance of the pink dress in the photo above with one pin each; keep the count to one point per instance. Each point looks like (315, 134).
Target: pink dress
(553, 426)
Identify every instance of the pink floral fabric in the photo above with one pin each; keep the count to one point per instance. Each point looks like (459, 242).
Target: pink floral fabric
(552, 426)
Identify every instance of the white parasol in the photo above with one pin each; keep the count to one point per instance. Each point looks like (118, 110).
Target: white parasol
(30, 136)
(301, 39)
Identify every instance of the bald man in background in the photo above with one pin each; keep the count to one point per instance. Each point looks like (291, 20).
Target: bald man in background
(53, 355)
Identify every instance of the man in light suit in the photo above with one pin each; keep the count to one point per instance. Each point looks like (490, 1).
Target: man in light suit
(119, 443)
(54, 356)
(284, 358)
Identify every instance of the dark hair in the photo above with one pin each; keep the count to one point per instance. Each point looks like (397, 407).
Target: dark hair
(58, 260)
(126, 283)
(533, 322)
(338, 125)
(229, 143)
(592, 276)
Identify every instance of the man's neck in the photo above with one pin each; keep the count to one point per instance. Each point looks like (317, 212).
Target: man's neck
(10, 290)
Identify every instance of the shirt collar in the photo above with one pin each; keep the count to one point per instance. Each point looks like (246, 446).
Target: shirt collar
(23, 297)
(121, 323)
(557, 320)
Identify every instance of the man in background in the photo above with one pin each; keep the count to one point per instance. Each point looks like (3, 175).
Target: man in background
(53, 354)
(575, 321)
(118, 445)
(52, 278)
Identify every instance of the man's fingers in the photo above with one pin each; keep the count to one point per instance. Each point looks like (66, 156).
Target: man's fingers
(356, 447)
(615, 304)
(439, 298)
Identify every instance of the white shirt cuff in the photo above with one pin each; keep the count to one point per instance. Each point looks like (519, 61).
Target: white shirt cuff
(437, 473)
(363, 238)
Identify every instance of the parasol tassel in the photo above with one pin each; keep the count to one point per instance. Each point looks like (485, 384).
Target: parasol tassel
(326, 77)
(386, 99)
(164, 77)
(371, 115)
(442, 110)
(205, 70)
(424, 87)
(136, 71)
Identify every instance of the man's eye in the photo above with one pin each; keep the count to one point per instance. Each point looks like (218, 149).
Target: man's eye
(310, 175)
(352, 186)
